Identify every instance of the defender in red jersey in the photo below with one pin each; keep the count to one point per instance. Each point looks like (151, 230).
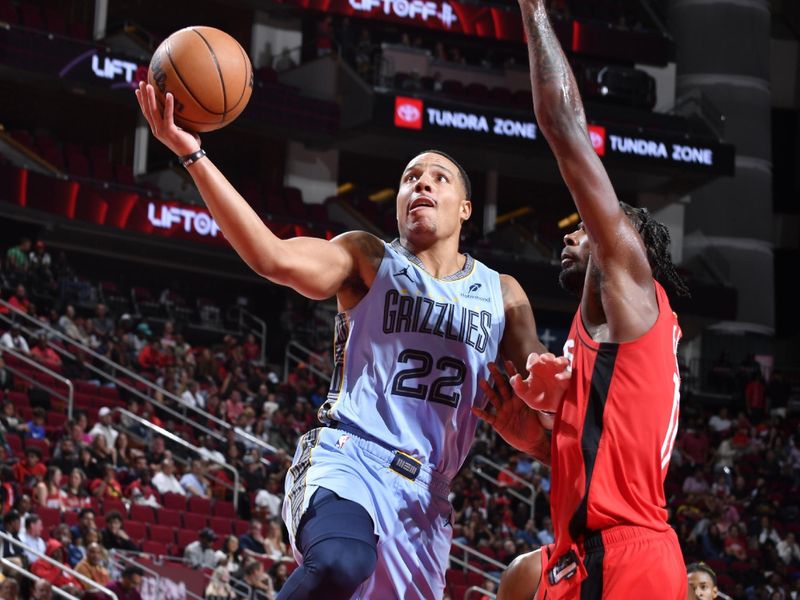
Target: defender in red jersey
(617, 415)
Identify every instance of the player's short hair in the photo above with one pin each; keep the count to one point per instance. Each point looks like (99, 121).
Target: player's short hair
(701, 567)
(656, 240)
(462, 174)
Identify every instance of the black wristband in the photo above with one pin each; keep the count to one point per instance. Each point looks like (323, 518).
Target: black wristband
(190, 159)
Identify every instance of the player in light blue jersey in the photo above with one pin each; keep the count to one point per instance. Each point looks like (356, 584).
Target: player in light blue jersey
(366, 502)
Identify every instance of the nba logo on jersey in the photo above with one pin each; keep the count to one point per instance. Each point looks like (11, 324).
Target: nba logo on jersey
(343, 439)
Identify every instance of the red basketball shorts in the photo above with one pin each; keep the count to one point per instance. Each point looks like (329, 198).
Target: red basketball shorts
(620, 563)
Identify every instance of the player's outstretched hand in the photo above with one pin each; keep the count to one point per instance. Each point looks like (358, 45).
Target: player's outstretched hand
(181, 142)
(516, 423)
(547, 381)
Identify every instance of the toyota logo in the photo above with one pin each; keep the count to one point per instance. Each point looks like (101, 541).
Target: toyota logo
(408, 113)
(597, 139)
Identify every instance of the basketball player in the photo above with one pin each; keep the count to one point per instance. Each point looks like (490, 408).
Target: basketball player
(366, 503)
(702, 582)
(616, 422)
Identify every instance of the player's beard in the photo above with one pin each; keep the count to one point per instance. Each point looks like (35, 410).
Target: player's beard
(571, 279)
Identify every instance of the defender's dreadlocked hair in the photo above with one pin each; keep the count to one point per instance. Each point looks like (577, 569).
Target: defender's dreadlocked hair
(656, 239)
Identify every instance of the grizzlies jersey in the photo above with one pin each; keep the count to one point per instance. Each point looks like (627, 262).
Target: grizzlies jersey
(408, 357)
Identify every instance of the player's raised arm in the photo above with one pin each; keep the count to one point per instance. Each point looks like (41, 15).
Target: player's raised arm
(313, 267)
(560, 115)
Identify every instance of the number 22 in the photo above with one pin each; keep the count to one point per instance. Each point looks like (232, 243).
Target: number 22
(421, 391)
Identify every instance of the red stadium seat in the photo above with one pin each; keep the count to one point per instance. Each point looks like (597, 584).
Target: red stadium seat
(200, 505)
(174, 501)
(194, 521)
(136, 531)
(51, 517)
(221, 525)
(240, 527)
(143, 514)
(157, 548)
(224, 509)
(170, 518)
(184, 538)
(160, 533)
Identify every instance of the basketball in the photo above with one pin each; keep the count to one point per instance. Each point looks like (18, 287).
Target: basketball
(208, 73)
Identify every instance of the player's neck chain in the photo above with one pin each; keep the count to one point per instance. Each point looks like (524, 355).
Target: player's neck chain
(463, 272)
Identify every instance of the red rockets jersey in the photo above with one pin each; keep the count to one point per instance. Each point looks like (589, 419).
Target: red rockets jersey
(614, 431)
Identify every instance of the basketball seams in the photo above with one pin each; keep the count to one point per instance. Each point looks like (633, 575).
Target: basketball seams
(188, 89)
(248, 77)
(219, 72)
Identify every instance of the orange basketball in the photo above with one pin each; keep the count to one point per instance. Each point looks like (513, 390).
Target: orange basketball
(208, 73)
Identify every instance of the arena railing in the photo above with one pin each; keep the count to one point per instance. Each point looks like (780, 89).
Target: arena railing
(68, 399)
(28, 575)
(198, 413)
(465, 553)
(480, 472)
(478, 590)
(128, 557)
(9, 539)
(178, 440)
(297, 353)
(120, 560)
(256, 325)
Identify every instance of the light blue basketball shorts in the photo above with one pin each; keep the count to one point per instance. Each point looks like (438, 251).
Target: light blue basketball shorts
(411, 516)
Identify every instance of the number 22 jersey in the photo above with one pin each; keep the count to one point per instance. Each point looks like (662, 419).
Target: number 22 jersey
(408, 357)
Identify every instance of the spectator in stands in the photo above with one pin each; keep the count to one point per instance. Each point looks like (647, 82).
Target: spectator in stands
(40, 263)
(122, 452)
(42, 590)
(14, 340)
(5, 375)
(107, 487)
(32, 470)
(735, 545)
(252, 542)
(788, 549)
(101, 323)
(755, 396)
(720, 423)
(12, 423)
(104, 427)
(191, 397)
(194, 482)
(92, 567)
(219, 587)
(113, 536)
(89, 464)
(9, 589)
(209, 452)
(36, 429)
(84, 525)
(279, 573)
(45, 355)
(233, 407)
(11, 526)
(101, 451)
(73, 553)
(66, 323)
(199, 554)
(259, 585)
(17, 258)
(19, 299)
(165, 481)
(127, 587)
(150, 357)
(157, 453)
(32, 537)
(48, 493)
(273, 542)
(230, 555)
(268, 501)
(65, 455)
